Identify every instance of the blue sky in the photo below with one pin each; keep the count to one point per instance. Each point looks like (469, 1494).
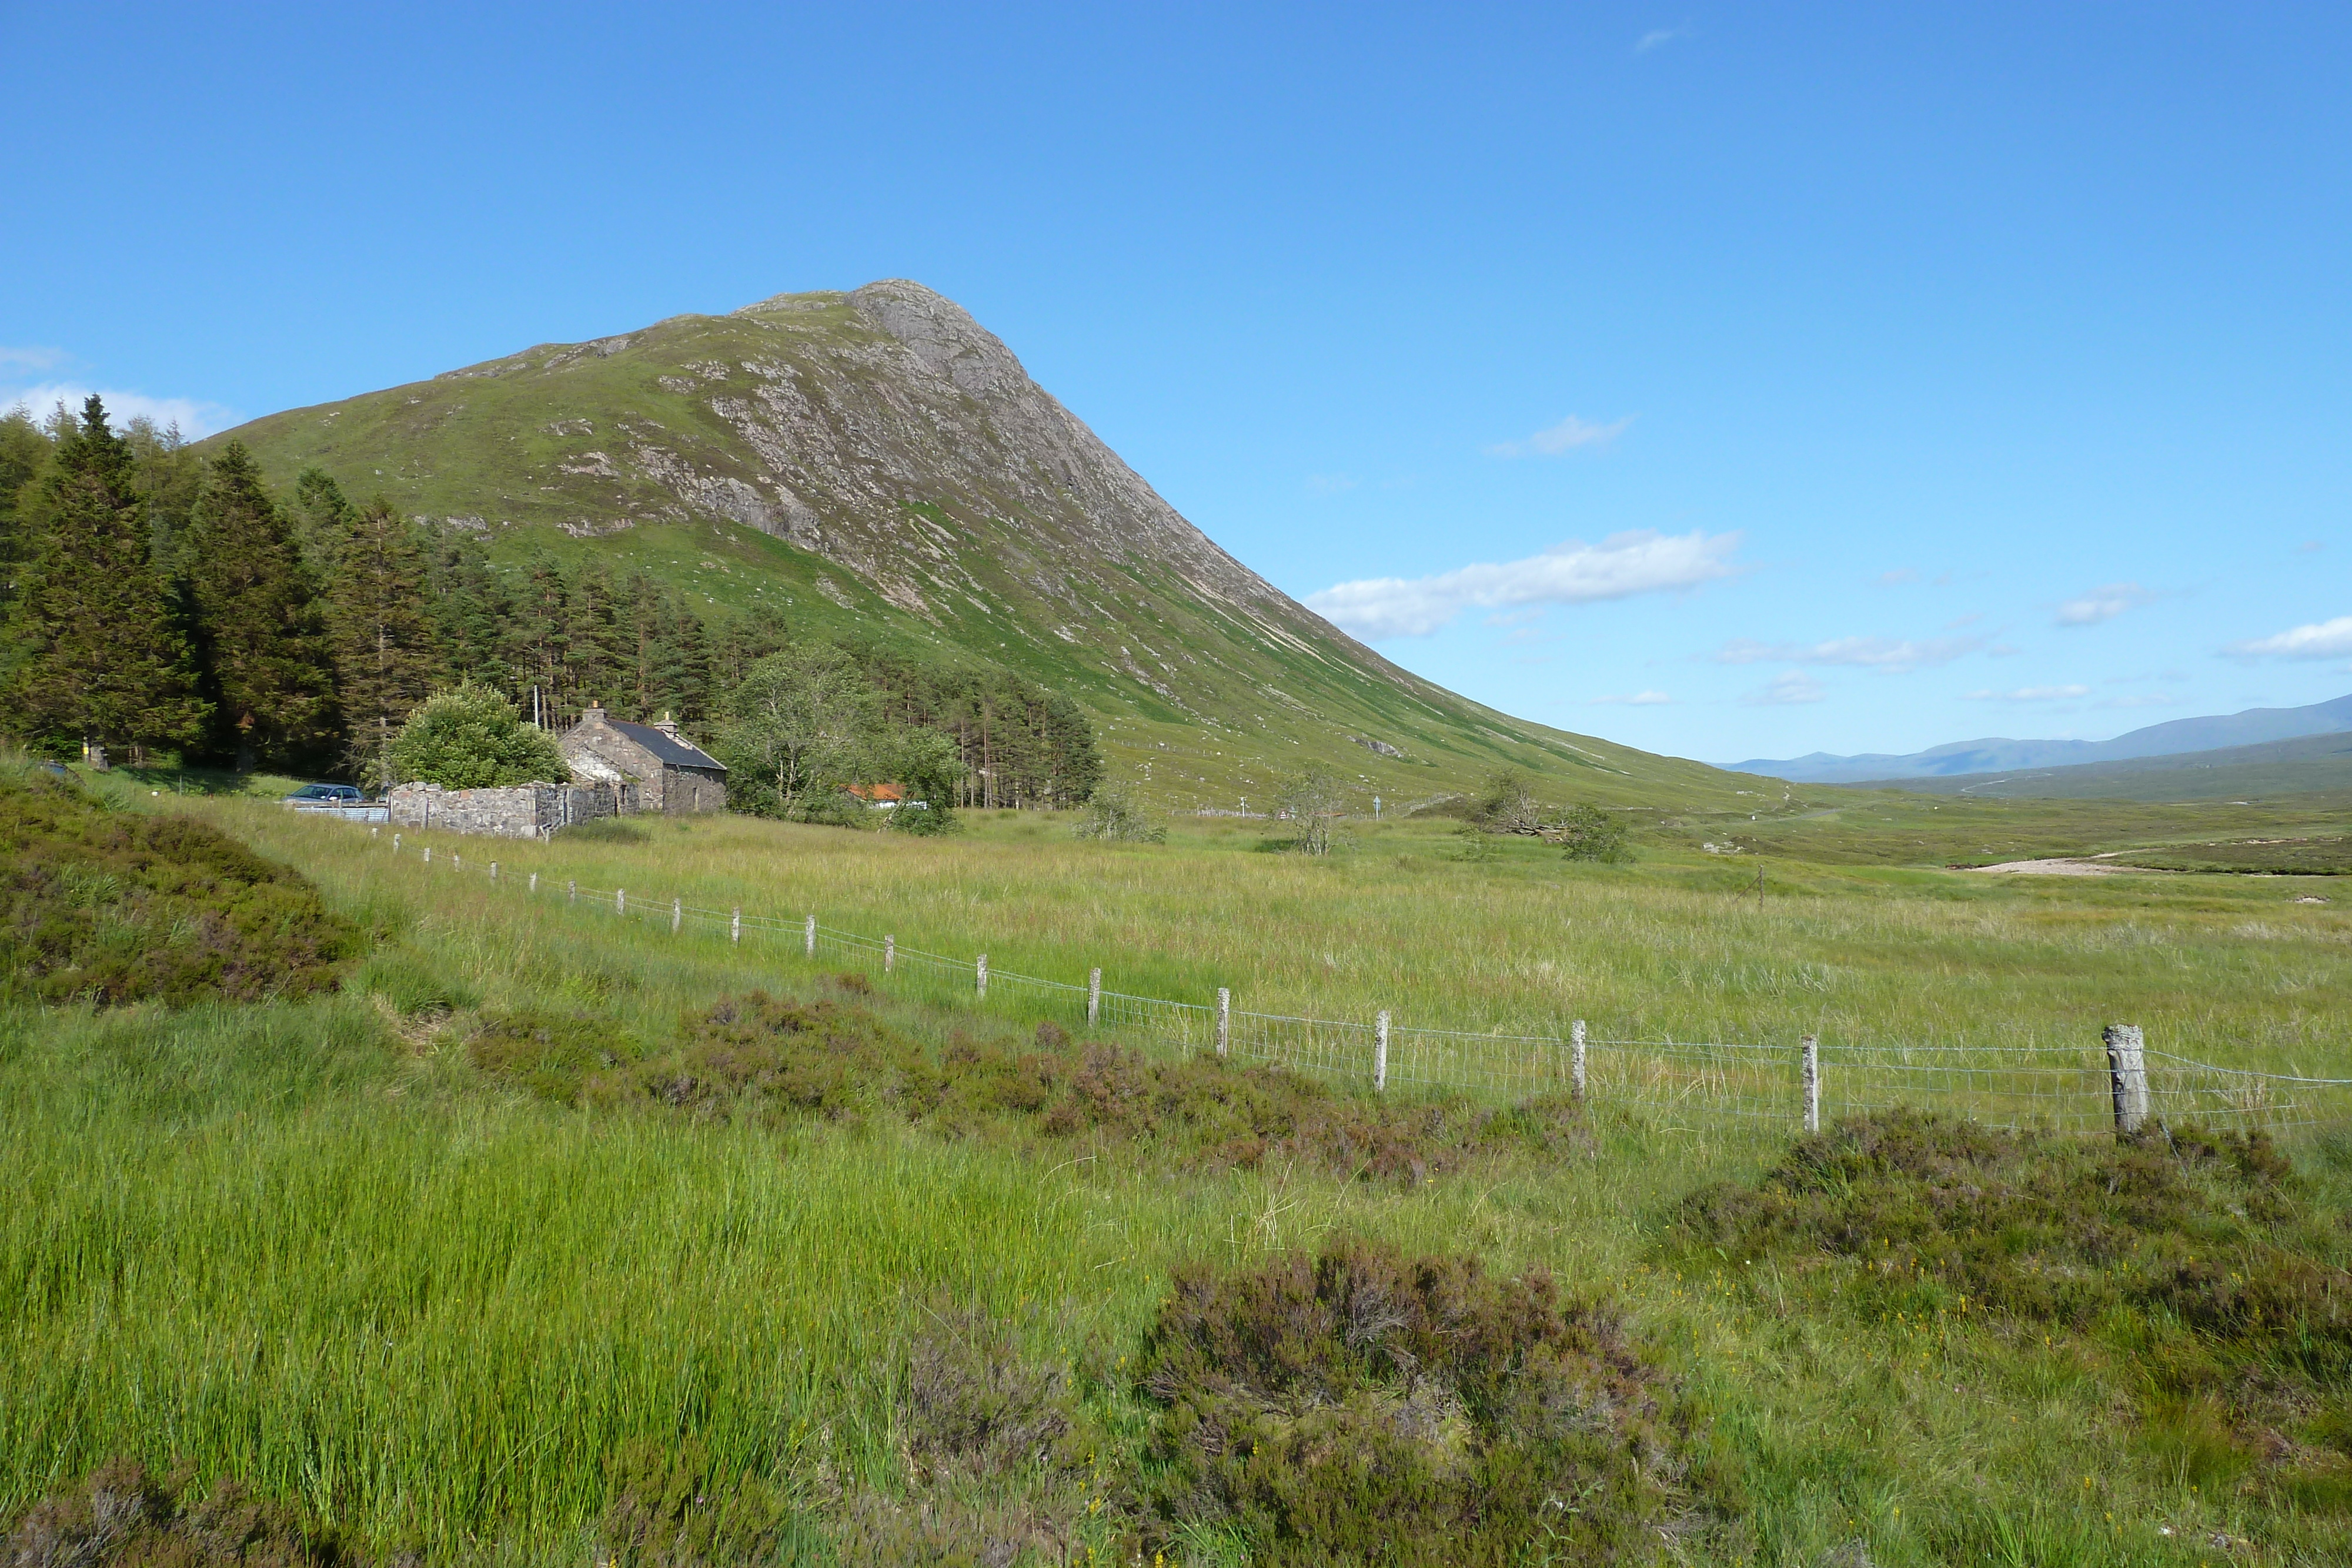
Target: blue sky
(1732, 380)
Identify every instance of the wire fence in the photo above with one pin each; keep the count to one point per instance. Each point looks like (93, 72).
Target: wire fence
(1798, 1085)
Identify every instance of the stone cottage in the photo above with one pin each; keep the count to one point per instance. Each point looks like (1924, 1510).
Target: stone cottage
(671, 774)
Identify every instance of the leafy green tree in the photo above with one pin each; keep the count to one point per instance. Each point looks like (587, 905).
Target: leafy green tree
(925, 762)
(1112, 815)
(100, 655)
(1591, 833)
(471, 737)
(798, 732)
(261, 625)
(1314, 800)
(386, 656)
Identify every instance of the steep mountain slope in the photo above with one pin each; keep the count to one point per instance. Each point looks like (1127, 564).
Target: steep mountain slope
(2253, 727)
(879, 457)
(2309, 764)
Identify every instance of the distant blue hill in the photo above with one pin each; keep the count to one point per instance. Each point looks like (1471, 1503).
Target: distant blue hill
(2252, 727)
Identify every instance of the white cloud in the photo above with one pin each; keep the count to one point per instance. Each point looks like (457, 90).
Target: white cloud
(1568, 436)
(1795, 687)
(1573, 574)
(1656, 37)
(1901, 574)
(2322, 640)
(31, 358)
(194, 417)
(2103, 604)
(1636, 699)
(1888, 654)
(2031, 694)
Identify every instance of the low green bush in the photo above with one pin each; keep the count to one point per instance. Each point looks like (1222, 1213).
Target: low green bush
(120, 1516)
(114, 907)
(761, 1057)
(1361, 1407)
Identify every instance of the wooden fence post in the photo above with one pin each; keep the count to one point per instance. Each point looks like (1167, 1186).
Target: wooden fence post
(677, 914)
(428, 855)
(494, 871)
(395, 844)
(533, 885)
(571, 891)
(373, 831)
(2127, 1075)
(809, 937)
(620, 901)
(1576, 1057)
(1381, 1054)
(890, 954)
(735, 926)
(1094, 998)
(1225, 1019)
(980, 974)
(456, 861)
(1812, 1077)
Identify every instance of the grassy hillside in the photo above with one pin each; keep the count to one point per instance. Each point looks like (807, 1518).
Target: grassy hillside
(362, 1254)
(821, 453)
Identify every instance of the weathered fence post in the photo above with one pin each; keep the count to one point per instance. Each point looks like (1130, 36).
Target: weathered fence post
(890, 954)
(2127, 1075)
(620, 901)
(494, 871)
(395, 844)
(980, 974)
(735, 926)
(428, 855)
(809, 937)
(571, 891)
(1576, 1057)
(1094, 998)
(456, 861)
(532, 887)
(1812, 1077)
(373, 831)
(1225, 1019)
(1381, 1054)
(677, 914)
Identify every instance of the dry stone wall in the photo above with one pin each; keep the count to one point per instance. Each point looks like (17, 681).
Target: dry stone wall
(513, 811)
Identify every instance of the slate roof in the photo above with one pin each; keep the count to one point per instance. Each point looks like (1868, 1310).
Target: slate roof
(676, 753)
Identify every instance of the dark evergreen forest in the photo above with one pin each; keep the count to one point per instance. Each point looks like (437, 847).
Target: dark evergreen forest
(156, 602)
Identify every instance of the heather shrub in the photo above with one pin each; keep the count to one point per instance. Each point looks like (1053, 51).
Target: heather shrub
(114, 907)
(122, 1517)
(670, 1506)
(1361, 1407)
(550, 1054)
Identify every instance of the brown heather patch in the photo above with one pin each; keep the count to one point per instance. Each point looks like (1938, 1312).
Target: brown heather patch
(113, 907)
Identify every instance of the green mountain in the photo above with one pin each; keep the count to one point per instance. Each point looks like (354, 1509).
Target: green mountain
(877, 459)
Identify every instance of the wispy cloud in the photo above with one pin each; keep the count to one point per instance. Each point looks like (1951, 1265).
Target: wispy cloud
(1330, 484)
(2103, 604)
(1658, 36)
(2320, 640)
(2031, 694)
(194, 417)
(1573, 573)
(31, 358)
(1890, 653)
(1900, 575)
(1570, 434)
(1633, 699)
(1795, 687)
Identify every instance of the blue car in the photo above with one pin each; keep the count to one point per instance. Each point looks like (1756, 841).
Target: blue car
(325, 795)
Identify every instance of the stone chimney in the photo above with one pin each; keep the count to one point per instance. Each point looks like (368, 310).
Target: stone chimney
(668, 726)
(593, 713)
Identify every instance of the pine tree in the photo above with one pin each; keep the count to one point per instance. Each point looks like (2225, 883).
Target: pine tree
(261, 626)
(385, 652)
(599, 644)
(541, 623)
(102, 660)
(324, 522)
(473, 612)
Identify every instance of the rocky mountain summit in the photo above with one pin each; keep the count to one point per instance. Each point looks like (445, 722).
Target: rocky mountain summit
(884, 453)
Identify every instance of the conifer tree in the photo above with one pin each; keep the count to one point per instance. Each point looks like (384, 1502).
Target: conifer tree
(101, 660)
(385, 653)
(261, 627)
(324, 521)
(473, 612)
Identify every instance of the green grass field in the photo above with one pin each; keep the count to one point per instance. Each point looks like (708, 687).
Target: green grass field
(309, 1245)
